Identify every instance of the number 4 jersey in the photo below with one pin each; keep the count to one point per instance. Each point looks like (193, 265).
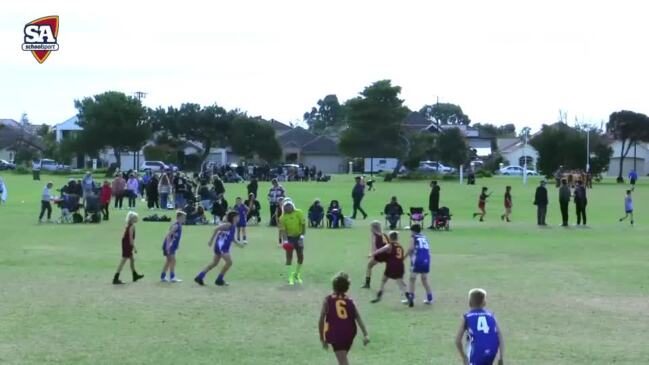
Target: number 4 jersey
(340, 328)
(482, 331)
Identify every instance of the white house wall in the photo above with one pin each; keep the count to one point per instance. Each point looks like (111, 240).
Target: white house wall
(514, 155)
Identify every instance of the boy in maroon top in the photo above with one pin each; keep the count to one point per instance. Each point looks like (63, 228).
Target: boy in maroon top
(394, 268)
(508, 204)
(104, 198)
(128, 247)
(338, 319)
(482, 204)
(378, 240)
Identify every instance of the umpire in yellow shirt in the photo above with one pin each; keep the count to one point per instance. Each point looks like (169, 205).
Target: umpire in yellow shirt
(292, 227)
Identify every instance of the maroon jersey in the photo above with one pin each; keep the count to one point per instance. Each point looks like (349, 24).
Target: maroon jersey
(340, 327)
(127, 248)
(380, 240)
(394, 267)
(508, 200)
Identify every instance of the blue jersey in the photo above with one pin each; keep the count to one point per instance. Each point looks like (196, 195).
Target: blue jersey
(224, 241)
(420, 262)
(175, 240)
(243, 214)
(482, 332)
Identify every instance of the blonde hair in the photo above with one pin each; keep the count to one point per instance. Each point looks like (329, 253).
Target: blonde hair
(180, 213)
(130, 217)
(477, 296)
(376, 226)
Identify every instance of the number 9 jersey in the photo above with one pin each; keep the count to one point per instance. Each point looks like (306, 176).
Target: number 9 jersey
(340, 327)
(482, 331)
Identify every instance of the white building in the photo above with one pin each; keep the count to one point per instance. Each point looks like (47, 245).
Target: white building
(641, 161)
(515, 152)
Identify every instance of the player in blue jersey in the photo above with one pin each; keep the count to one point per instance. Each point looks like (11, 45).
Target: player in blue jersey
(484, 338)
(222, 238)
(419, 253)
(242, 209)
(170, 246)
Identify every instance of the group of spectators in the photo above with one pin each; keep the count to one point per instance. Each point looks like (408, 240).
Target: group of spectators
(578, 194)
(240, 173)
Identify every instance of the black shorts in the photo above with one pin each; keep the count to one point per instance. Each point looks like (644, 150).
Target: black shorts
(342, 345)
(295, 242)
(382, 257)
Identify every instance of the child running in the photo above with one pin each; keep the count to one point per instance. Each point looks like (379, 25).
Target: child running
(508, 204)
(628, 206)
(170, 246)
(394, 267)
(378, 240)
(484, 338)
(128, 247)
(419, 253)
(222, 239)
(338, 319)
(242, 209)
(482, 204)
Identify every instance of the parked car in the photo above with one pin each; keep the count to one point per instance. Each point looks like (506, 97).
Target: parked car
(153, 166)
(6, 165)
(434, 166)
(516, 170)
(47, 164)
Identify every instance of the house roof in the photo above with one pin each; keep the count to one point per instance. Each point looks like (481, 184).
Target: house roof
(321, 146)
(69, 125)
(9, 123)
(505, 143)
(280, 128)
(296, 137)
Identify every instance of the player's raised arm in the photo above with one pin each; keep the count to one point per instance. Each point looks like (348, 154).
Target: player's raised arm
(458, 342)
(321, 325)
(381, 250)
(359, 320)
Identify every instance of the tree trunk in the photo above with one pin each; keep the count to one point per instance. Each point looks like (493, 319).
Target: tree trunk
(118, 158)
(623, 153)
(207, 146)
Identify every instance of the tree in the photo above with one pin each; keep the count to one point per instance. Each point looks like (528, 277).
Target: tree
(112, 119)
(445, 114)
(327, 118)
(254, 136)
(48, 136)
(374, 120)
(207, 125)
(628, 127)
(494, 132)
(562, 145)
(423, 146)
(452, 147)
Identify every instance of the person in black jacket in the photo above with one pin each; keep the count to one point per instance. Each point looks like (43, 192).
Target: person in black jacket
(541, 202)
(564, 201)
(393, 212)
(433, 200)
(316, 213)
(253, 186)
(580, 202)
(152, 195)
(358, 192)
(219, 208)
(253, 208)
(219, 188)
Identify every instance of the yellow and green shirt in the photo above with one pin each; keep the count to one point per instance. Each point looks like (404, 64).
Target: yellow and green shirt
(292, 223)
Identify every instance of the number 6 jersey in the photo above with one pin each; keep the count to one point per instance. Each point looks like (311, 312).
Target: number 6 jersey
(340, 320)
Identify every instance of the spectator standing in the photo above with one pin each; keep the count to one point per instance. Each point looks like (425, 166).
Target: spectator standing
(87, 184)
(433, 200)
(104, 198)
(253, 186)
(132, 188)
(253, 208)
(633, 177)
(275, 193)
(164, 189)
(118, 188)
(3, 192)
(564, 201)
(219, 188)
(152, 194)
(393, 212)
(541, 202)
(205, 196)
(580, 202)
(358, 192)
(46, 205)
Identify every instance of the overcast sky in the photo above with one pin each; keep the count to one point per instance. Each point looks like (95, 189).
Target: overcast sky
(502, 61)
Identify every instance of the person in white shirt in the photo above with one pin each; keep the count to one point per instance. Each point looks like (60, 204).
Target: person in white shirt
(46, 203)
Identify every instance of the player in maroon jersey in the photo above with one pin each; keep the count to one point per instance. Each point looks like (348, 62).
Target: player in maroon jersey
(378, 240)
(338, 320)
(394, 268)
(128, 247)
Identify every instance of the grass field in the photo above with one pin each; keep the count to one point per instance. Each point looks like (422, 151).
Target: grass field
(562, 296)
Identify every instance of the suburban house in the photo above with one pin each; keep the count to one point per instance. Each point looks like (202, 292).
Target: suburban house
(481, 143)
(12, 134)
(514, 151)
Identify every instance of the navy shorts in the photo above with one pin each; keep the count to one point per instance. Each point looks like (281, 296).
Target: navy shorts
(172, 249)
(295, 242)
(420, 267)
(222, 249)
